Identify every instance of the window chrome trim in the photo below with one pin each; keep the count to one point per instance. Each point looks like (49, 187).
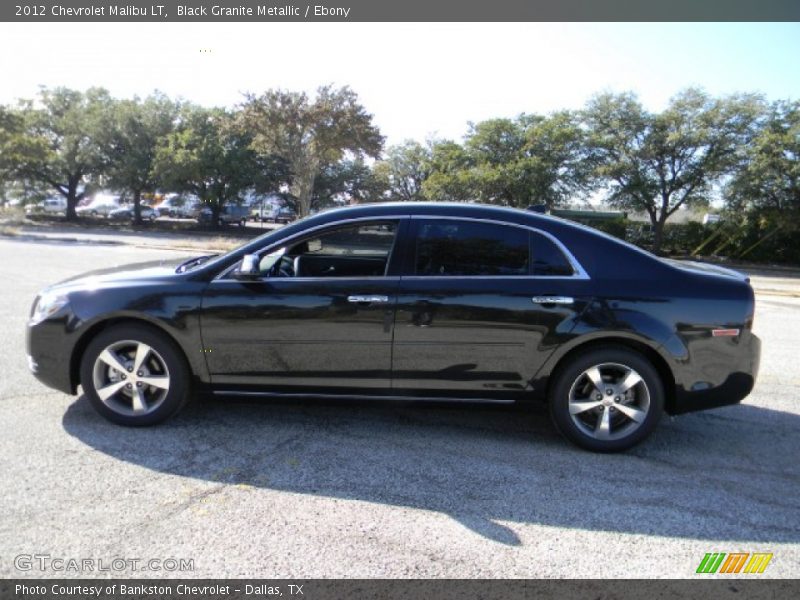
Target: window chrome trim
(578, 274)
(578, 271)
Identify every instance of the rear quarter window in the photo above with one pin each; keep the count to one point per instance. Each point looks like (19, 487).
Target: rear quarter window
(548, 259)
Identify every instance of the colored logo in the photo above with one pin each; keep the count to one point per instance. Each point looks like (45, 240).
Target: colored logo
(735, 562)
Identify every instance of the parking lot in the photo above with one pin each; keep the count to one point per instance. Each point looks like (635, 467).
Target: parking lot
(315, 489)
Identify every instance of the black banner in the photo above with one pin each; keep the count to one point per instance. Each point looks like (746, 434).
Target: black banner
(368, 589)
(400, 10)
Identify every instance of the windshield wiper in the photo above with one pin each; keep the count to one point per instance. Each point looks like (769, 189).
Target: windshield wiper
(193, 262)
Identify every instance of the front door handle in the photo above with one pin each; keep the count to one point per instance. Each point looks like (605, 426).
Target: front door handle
(367, 299)
(553, 300)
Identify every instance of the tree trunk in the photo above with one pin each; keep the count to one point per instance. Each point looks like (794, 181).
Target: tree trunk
(72, 199)
(303, 186)
(216, 209)
(658, 235)
(137, 207)
(304, 192)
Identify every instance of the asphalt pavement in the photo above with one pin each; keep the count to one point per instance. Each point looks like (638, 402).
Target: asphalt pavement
(306, 489)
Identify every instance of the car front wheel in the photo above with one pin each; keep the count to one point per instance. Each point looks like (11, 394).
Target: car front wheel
(607, 400)
(134, 375)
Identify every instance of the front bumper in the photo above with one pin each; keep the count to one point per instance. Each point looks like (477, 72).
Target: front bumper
(48, 355)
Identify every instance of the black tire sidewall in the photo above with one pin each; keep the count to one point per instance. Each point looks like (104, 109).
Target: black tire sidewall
(178, 393)
(559, 397)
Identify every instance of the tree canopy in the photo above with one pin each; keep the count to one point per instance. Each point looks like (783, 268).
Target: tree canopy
(309, 135)
(58, 141)
(404, 170)
(658, 162)
(208, 156)
(138, 127)
(532, 159)
(768, 177)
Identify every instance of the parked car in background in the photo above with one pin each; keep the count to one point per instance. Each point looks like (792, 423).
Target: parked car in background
(231, 214)
(126, 212)
(283, 215)
(416, 301)
(180, 207)
(50, 206)
(99, 206)
(262, 211)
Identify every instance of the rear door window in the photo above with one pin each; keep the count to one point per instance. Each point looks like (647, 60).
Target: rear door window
(445, 247)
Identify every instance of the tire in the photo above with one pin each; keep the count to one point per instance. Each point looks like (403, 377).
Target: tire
(165, 383)
(612, 419)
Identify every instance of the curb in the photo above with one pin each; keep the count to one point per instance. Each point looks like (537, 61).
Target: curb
(102, 242)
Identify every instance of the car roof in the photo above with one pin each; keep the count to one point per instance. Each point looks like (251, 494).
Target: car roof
(455, 209)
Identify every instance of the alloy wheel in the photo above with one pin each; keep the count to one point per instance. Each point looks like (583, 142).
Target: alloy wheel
(131, 378)
(609, 401)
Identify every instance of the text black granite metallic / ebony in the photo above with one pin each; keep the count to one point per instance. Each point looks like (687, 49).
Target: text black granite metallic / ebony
(412, 301)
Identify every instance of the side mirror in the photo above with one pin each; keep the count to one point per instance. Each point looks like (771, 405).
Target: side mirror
(249, 269)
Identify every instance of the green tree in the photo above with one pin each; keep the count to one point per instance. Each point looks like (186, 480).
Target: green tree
(346, 180)
(658, 162)
(11, 126)
(309, 135)
(531, 159)
(138, 129)
(208, 156)
(58, 141)
(404, 170)
(451, 176)
(769, 176)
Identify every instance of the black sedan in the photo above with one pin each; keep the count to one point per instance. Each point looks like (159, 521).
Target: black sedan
(410, 301)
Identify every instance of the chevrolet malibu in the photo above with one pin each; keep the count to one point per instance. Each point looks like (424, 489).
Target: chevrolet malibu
(456, 302)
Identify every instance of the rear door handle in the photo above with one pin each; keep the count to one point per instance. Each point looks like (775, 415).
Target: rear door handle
(368, 299)
(553, 300)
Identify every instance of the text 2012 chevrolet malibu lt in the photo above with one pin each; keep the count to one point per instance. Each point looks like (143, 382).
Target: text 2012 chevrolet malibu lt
(412, 301)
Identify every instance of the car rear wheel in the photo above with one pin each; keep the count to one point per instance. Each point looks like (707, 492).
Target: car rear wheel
(134, 375)
(607, 400)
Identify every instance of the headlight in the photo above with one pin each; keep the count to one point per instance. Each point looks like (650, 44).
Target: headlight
(47, 305)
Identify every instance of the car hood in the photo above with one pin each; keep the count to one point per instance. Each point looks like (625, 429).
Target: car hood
(707, 269)
(137, 272)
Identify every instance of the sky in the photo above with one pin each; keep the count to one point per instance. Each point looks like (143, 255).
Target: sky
(418, 79)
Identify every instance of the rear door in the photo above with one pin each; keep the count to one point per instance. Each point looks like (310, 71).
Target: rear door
(477, 304)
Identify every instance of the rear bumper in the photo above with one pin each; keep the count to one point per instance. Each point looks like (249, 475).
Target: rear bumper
(741, 365)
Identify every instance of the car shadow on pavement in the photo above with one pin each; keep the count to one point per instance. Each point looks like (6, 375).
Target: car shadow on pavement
(727, 474)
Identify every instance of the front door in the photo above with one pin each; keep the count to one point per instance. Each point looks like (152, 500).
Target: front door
(321, 316)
